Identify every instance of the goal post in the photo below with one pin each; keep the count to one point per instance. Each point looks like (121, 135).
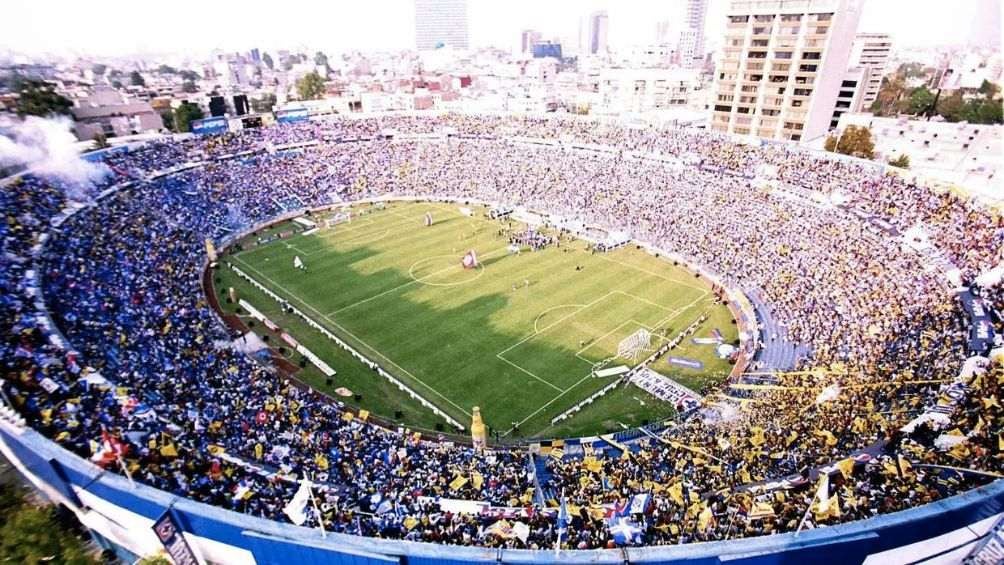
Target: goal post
(633, 345)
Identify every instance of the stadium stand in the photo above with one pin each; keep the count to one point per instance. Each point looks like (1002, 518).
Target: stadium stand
(111, 351)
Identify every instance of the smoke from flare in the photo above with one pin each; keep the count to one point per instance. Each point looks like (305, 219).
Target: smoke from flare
(48, 148)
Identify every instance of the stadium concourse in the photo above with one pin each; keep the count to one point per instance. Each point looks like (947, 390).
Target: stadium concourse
(896, 402)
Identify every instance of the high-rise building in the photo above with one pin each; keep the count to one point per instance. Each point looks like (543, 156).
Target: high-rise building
(662, 31)
(527, 39)
(782, 66)
(440, 23)
(692, 50)
(870, 51)
(851, 93)
(598, 27)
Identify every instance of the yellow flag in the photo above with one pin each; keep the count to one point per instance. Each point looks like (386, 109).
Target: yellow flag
(744, 476)
(991, 402)
(676, 493)
(846, 467)
(364, 414)
(348, 416)
(216, 449)
(761, 510)
(959, 451)
(477, 480)
(458, 483)
(831, 440)
(905, 467)
(410, 522)
(757, 439)
(321, 461)
(704, 520)
(168, 450)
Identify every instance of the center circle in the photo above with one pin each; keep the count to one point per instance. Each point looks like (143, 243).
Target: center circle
(443, 270)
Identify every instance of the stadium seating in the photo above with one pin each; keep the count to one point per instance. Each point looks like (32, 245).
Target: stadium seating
(111, 350)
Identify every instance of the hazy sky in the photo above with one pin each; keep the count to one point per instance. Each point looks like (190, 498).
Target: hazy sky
(116, 27)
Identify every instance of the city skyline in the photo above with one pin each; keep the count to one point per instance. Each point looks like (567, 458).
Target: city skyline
(389, 25)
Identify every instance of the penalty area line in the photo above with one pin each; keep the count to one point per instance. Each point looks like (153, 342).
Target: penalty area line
(548, 403)
(354, 337)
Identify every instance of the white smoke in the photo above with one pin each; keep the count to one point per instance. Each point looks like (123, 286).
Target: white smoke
(48, 148)
(719, 413)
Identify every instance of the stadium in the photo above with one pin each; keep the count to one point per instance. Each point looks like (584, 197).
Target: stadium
(455, 337)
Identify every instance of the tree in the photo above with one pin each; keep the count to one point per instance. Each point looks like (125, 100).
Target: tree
(321, 60)
(98, 69)
(189, 75)
(856, 141)
(831, 143)
(189, 86)
(889, 96)
(267, 59)
(310, 86)
(981, 111)
(39, 98)
(184, 115)
(167, 70)
(989, 89)
(912, 70)
(903, 161)
(34, 534)
(920, 101)
(100, 140)
(167, 116)
(136, 79)
(951, 107)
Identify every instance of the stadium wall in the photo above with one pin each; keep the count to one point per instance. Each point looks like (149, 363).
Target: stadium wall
(123, 513)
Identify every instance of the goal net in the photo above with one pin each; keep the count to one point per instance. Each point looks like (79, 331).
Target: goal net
(342, 217)
(633, 345)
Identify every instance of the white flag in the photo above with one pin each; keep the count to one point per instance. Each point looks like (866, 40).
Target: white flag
(521, 531)
(298, 504)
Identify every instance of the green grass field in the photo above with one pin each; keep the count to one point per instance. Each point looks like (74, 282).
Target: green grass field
(396, 291)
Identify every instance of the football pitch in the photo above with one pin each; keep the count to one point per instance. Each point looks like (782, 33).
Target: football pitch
(519, 335)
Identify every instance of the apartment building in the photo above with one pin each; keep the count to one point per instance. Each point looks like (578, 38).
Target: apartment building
(782, 66)
(871, 51)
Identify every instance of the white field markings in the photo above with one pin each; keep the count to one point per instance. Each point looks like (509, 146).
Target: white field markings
(596, 340)
(673, 313)
(345, 331)
(548, 383)
(321, 235)
(536, 332)
(548, 403)
(409, 283)
(654, 274)
(546, 310)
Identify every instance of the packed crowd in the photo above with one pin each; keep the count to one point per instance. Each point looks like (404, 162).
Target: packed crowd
(149, 376)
